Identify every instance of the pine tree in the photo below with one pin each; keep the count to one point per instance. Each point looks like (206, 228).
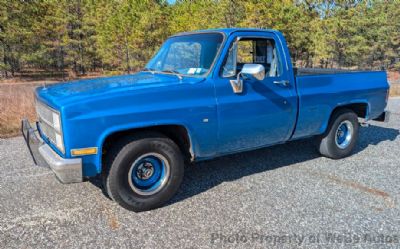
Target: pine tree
(121, 35)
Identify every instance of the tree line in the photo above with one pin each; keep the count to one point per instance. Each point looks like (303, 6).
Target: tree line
(81, 36)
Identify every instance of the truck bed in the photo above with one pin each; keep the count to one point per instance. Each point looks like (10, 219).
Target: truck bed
(320, 91)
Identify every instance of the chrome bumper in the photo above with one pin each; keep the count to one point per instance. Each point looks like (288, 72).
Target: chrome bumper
(66, 170)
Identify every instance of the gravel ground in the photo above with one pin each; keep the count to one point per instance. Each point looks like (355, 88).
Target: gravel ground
(286, 196)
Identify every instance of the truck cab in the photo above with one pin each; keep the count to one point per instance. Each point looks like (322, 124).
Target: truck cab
(204, 94)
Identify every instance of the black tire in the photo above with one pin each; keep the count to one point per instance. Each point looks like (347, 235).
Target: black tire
(119, 161)
(327, 144)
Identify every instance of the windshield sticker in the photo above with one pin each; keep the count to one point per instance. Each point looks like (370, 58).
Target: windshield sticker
(192, 70)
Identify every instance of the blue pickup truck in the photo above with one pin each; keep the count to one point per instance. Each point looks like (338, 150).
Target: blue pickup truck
(204, 94)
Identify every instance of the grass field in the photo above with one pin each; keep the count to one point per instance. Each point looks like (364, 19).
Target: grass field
(17, 102)
(395, 90)
(17, 98)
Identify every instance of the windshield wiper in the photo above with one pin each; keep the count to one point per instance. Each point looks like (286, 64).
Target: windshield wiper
(173, 72)
(170, 71)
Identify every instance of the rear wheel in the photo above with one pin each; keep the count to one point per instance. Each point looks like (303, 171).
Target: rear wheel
(144, 172)
(341, 136)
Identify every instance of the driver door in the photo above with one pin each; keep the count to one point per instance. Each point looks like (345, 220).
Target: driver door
(264, 112)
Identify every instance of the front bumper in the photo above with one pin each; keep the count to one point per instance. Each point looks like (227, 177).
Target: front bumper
(66, 170)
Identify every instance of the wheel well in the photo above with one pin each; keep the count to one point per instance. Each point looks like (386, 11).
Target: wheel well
(361, 109)
(176, 133)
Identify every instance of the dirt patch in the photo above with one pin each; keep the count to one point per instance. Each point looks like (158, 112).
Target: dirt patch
(389, 202)
(358, 186)
(113, 223)
(112, 218)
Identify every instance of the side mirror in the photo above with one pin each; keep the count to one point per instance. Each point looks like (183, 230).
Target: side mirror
(255, 71)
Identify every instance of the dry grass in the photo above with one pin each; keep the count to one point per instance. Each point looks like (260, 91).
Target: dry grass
(16, 102)
(395, 90)
(17, 96)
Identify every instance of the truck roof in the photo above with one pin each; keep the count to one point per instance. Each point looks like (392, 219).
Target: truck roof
(228, 31)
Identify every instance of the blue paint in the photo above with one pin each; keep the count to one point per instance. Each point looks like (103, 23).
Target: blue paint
(264, 114)
(155, 178)
(342, 133)
(319, 95)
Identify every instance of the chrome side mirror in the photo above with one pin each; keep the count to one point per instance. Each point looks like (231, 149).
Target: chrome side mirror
(255, 71)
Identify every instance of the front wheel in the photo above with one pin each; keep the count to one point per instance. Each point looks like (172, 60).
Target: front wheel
(341, 136)
(144, 172)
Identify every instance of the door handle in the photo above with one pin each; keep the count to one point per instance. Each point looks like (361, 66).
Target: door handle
(281, 82)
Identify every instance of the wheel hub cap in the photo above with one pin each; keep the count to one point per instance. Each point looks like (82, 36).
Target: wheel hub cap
(344, 134)
(148, 174)
(145, 170)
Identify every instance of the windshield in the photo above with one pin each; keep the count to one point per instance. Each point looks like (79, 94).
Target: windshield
(187, 54)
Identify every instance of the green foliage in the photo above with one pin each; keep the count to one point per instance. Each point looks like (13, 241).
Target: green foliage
(121, 35)
(130, 32)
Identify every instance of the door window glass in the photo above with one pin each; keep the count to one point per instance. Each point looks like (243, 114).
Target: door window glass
(253, 51)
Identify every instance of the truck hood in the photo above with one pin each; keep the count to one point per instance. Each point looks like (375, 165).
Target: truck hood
(61, 94)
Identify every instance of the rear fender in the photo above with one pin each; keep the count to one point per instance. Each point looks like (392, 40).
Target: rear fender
(349, 105)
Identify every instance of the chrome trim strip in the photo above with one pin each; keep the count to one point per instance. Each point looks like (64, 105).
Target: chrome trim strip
(45, 121)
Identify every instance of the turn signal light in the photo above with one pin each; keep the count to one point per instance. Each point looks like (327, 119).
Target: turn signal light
(84, 151)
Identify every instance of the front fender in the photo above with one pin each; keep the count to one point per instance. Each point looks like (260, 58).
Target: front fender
(143, 125)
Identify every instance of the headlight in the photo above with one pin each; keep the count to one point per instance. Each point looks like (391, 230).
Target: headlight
(56, 122)
(59, 142)
(50, 125)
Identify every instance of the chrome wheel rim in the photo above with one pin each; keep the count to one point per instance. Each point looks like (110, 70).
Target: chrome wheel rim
(344, 134)
(148, 174)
